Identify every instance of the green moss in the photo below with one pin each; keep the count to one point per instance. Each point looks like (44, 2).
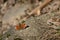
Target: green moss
(23, 21)
(8, 35)
(0, 38)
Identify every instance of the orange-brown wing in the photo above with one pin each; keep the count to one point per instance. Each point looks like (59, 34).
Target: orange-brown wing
(17, 27)
(23, 25)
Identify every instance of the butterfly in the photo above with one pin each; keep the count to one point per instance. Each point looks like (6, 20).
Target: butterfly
(21, 26)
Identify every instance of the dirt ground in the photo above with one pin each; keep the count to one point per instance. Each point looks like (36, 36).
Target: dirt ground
(38, 28)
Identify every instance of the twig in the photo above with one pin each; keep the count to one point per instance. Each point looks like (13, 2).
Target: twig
(37, 8)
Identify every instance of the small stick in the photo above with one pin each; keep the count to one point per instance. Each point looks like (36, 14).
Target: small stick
(38, 8)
